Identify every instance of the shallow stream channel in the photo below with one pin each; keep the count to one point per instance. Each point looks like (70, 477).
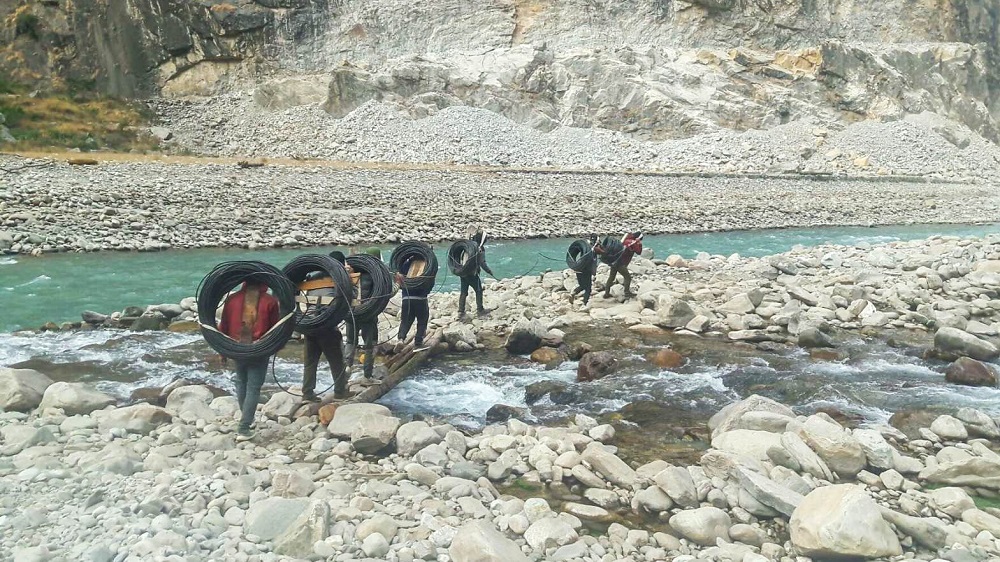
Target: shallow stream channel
(864, 380)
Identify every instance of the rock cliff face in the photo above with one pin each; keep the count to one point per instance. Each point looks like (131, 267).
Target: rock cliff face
(655, 68)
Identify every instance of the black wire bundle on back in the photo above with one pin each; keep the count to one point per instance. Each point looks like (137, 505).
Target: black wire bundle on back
(422, 251)
(315, 318)
(215, 288)
(613, 249)
(372, 305)
(463, 258)
(580, 256)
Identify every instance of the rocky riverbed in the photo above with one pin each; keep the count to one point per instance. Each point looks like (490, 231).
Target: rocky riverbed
(86, 480)
(50, 206)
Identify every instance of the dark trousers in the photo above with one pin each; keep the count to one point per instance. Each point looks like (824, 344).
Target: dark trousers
(414, 309)
(586, 285)
(249, 379)
(477, 285)
(326, 343)
(368, 331)
(626, 279)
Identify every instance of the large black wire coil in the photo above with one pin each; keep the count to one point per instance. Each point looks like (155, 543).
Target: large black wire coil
(580, 256)
(316, 318)
(371, 305)
(215, 288)
(463, 258)
(613, 250)
(424, 283)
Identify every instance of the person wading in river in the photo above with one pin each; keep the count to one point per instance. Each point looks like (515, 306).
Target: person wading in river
(632, 243)
(585, 278)
(414, 302)
(364, 287)
(474, 281)
(247, 315)
(326, 342)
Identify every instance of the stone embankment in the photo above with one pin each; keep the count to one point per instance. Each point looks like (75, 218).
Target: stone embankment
(50, 206)
(84, 480)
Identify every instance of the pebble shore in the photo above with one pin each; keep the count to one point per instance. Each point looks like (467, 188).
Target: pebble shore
(152, 206)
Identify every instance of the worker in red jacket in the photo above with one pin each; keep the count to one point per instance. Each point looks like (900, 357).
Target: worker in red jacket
(632, 243)
(248, 314)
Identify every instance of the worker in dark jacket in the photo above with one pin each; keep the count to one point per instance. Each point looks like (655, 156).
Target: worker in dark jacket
(247, 315)
(632, 243)
(414, 302)
(327, 342)
(366, 330)
(585, 277)
(474, 280)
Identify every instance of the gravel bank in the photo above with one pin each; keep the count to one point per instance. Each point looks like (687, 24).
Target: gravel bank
(150, 206)
(922, 144)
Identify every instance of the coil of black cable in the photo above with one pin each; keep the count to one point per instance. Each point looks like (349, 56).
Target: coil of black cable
(580, 256)
(316, 318)
(422, 284)
(613, 250)
(371, 305)
(463, 258)
(215, 288)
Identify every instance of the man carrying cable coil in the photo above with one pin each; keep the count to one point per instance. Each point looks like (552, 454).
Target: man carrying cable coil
(320, 288)
(473, 280)
(247, 315)
(632, 243)
(364, 286)
(414, 301)
(585, 277)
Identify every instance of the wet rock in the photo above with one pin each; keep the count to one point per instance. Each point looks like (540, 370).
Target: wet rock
(91, 317)
(74, 398)
(666, 358)
(537, 390)
(970, 372)
(21, 390)
(526, 337)
(910, 421)
(596, 365)
(151, 321)
(953, 340)
(578, 349)
(841, 521)
(548, 356)
(813, 337)
(703, 526)
(504, 412)
(479, 541)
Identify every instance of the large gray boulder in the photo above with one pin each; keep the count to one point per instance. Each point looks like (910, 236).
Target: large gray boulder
(74, 398)
(877, 449)
(460, 333)
(21, 389)
(526, 337)
(294, 525)
(806, 458)
(374, 433)
(673, 313)
(731, 416)
(281, 405)
(679, 486)
(977, 472)
(191, 403)
(139, 418)
(841, 451)
(479, 541)
(347, 416)
(962, 343)
(413, 436)
(748, 443)
(841, 521)
(768, 492)
(951, 500)
(703, 526)
(609, 466)
(970, 372)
